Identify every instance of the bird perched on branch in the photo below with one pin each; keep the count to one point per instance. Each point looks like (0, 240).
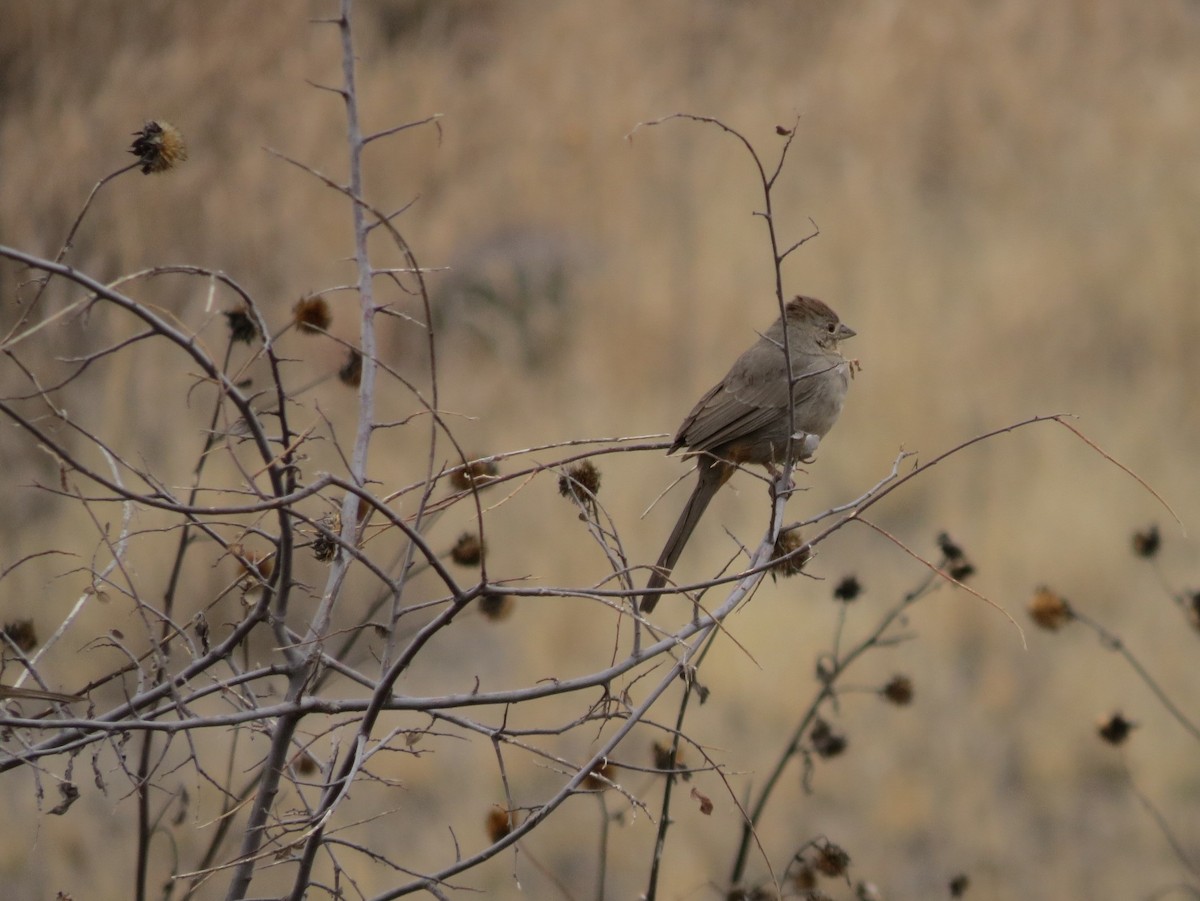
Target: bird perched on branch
(750, 415)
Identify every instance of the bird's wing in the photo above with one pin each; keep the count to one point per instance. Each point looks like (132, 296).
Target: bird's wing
(750, 398)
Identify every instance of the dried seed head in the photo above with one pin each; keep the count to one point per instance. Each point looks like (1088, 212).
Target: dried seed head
(468, 550)
(1049, 609)
(311, 314)
(949, 549)
(961, 570)
(831, 860)
(21, 633)
(1114, 728)
(783, 565)
(581, 481)
(601, 778)
(1147, 542)
(242, 326)
(500, 823)
(158, 146)
(351, 371)
(898, 690)
(496, 606)
(665, 758)
(477, 473)
(959, 885)
(825, 741)
(847, 590)
(325, 548)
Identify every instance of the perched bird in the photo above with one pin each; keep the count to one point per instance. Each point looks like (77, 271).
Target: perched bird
(744, 418)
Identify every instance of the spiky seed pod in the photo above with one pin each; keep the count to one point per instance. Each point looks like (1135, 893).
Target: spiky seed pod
(1049, 609)
(496, 606)
(782, 565)
(1115, 728)
(311, 314)
(158, 146)
(351, 372)
(468, 550)
(242, 326)
(847, 590)
(476, 473)
(1146, 542)
(898, 690)
(581, 481)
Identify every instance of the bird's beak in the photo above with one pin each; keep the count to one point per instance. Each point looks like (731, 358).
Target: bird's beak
(844, 331)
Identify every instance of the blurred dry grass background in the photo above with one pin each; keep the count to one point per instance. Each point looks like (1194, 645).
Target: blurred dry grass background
(1007, 197)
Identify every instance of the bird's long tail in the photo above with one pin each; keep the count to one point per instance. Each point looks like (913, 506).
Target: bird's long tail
(712, 475)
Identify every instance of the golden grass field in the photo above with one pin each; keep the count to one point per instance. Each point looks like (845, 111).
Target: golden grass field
(1007, 196)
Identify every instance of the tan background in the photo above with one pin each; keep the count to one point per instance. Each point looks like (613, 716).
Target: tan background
(1007, 200)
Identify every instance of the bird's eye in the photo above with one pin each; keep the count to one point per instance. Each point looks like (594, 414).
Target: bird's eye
(831, 328)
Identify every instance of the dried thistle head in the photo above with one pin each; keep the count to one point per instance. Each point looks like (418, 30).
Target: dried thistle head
(500, 822)
(311, 314)
(847, 590)
(468, 550)
(476, 473)
(784, 566)
(667, 758)
(601, 778)
(21, 633)
(496, 606)
(324, 547)
(351, 371)
(898, 690)
(959, 885)
(242, 326)
(581, 481)
(1049, 609)
(1115, 728)
(158, 146)
(825, 741)
(1146, 542)
(830, 860)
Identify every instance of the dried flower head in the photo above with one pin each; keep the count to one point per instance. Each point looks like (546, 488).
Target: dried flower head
(242, 326)
(500, 822)
(351, 372)
(21, 633)
(831, 860)
(1147, 542)
(468, 550)
(311, 314)
(783, 565)
(1049, 609)
(961, 570)
(477, 473)
(305, 764)
(847, 590)
(158, 146)
(959, 885)
(496, 606)
(898, 690)
(667, 758)
(1114, 728)
(325, 548)
(581, 481)
(949, 549)
(825, 741)
(600, 778)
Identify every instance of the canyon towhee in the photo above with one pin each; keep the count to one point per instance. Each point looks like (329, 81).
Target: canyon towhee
(744, 417)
